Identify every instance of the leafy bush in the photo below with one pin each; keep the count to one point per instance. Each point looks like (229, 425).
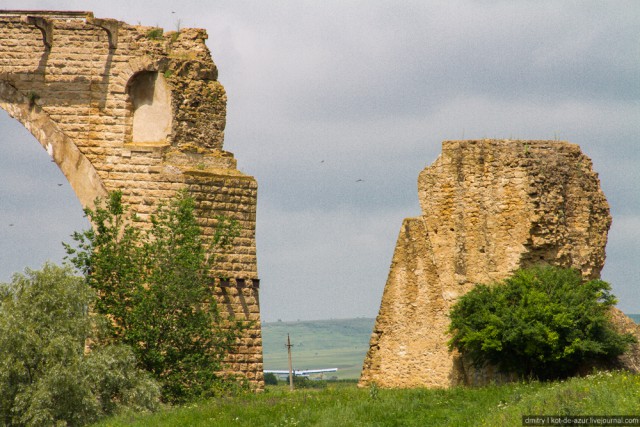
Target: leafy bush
(270, 378)
(543, 322)
(155, 285)
(46, 376)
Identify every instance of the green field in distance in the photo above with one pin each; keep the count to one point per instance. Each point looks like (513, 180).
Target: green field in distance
(319, 344)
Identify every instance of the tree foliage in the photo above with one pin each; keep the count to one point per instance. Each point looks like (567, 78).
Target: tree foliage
(46, 376)
(155, 285)
(544, 322)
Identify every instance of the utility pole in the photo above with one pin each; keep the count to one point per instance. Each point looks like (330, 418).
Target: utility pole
(289, 345)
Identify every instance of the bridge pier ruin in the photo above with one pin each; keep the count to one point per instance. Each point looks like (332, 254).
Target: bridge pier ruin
(131, 108)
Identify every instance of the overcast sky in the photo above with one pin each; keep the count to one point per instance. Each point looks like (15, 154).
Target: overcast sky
(324, 93)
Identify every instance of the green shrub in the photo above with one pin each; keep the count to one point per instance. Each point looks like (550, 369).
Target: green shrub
(46, 377)
(155, 285)
(543, 322)
(270, 378)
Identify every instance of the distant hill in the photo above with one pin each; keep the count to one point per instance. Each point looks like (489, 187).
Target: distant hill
(335, 343)
(340, 343)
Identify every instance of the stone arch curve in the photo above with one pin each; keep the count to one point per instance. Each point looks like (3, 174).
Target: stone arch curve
(78, 170)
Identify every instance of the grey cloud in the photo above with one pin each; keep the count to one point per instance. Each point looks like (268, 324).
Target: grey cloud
(341, 66)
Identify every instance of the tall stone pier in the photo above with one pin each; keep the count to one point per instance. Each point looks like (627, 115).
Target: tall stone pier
(135, 109)
(489, 207)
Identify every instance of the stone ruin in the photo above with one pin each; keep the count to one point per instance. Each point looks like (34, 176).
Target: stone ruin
(489, 207)
(132, 108)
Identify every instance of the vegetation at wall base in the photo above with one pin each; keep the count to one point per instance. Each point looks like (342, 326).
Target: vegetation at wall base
(155, 285)
(344, 404)
(543, 322)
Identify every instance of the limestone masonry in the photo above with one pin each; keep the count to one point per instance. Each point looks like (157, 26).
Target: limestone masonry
(489, 207)
(130, 108)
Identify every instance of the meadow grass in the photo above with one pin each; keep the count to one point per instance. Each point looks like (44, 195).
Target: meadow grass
(603, 393)
(343, 404)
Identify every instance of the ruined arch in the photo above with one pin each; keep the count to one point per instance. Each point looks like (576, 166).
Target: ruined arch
(79, 171)
(77, 84)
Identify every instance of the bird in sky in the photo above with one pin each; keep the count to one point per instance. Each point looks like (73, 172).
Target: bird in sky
(359, 180)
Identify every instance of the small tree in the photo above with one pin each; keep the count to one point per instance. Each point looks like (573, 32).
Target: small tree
(544, 322)
(46, 376)
(156, 287)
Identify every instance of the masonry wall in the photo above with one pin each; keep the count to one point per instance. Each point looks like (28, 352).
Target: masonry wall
(68, 79)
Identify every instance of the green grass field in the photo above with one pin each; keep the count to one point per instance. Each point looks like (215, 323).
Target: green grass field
(343, 344)
(343, 404)
(318, 344)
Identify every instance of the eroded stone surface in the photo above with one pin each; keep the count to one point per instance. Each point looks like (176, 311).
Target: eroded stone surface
(71, 80)
(489, 207)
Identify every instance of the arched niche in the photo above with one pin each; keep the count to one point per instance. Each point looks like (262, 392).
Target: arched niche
(150, 99)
